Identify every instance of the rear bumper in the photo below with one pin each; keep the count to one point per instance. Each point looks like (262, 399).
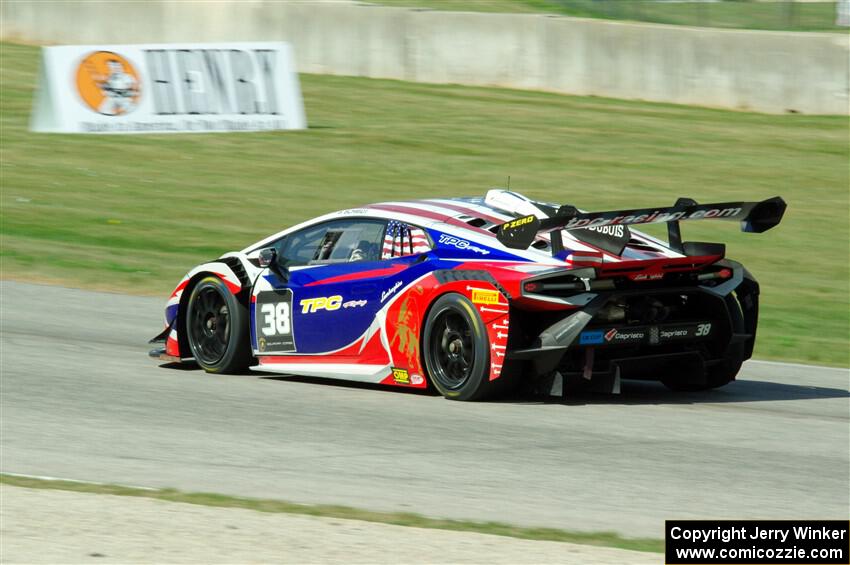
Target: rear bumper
(584, 344)
(690, 368)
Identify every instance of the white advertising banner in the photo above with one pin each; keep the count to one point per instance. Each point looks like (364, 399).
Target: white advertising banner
(168, 88)
(842, 13)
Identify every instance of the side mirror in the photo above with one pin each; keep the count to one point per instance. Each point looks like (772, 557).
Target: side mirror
(268, 258)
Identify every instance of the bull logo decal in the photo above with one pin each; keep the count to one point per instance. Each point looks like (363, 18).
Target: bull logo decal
(407, 330)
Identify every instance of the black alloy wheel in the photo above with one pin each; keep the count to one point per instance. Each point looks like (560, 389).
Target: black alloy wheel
(217, 327)
(456, 349)
(724, 372)
(453, 349)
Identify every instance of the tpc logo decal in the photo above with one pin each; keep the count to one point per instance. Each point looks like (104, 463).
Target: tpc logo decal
(108, 83)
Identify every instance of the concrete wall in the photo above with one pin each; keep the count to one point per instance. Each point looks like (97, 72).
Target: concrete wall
(759, 70)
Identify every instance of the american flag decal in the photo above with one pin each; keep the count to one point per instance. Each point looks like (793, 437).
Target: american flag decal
(401, 239)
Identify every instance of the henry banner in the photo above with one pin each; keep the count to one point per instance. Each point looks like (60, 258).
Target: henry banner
(206, 87)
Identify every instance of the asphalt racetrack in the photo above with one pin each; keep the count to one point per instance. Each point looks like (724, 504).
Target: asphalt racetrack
(81, 400)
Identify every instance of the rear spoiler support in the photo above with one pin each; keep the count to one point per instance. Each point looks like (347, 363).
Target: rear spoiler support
(754, 217)
(674, 232)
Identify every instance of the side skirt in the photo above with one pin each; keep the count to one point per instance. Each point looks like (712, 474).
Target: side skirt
(342, 371)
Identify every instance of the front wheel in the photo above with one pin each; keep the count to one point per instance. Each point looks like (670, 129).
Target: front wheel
(456, 349)
(217, 328)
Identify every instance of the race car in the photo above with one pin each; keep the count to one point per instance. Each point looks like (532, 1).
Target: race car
(475, 295)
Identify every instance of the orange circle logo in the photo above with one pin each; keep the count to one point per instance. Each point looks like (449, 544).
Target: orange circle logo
(108, 83)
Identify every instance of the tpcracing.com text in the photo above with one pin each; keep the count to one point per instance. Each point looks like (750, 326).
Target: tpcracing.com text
(655, 216)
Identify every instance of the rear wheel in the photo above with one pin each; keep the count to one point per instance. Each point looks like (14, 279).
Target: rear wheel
(724, 372)
(217, 328)
(456, 349)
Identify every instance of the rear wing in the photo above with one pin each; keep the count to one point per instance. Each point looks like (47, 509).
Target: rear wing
(756, 217)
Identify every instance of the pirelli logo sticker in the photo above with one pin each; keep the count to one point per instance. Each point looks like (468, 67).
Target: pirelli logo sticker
(484, 296)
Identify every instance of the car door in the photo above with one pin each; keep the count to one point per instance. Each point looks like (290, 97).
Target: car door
(338, 275)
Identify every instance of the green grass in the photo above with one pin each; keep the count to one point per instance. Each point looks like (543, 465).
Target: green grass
(793, 16)
(606, 539)
(134, 213)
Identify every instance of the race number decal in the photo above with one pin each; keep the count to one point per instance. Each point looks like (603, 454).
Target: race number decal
(273, 321)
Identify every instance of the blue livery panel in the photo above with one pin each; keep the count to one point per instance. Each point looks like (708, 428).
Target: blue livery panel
(459, 248)
(325, 317)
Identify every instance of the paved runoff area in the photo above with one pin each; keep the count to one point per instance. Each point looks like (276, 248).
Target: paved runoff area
(50, 526)
(81, 400)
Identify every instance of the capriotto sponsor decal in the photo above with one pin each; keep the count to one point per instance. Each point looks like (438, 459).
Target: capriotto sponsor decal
(108, 83)
(485, 296)
(653, 335)
(624, 336)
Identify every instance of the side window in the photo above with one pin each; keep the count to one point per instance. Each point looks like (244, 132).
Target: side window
(403, 239)
(338, 241)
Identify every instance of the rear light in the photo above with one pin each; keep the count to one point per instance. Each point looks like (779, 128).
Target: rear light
(721, 274)
(566, 283)
(559, 287)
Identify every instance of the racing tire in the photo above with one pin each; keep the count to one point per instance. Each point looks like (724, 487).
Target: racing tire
(456, 349)
(724, 372)
(217, 328)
